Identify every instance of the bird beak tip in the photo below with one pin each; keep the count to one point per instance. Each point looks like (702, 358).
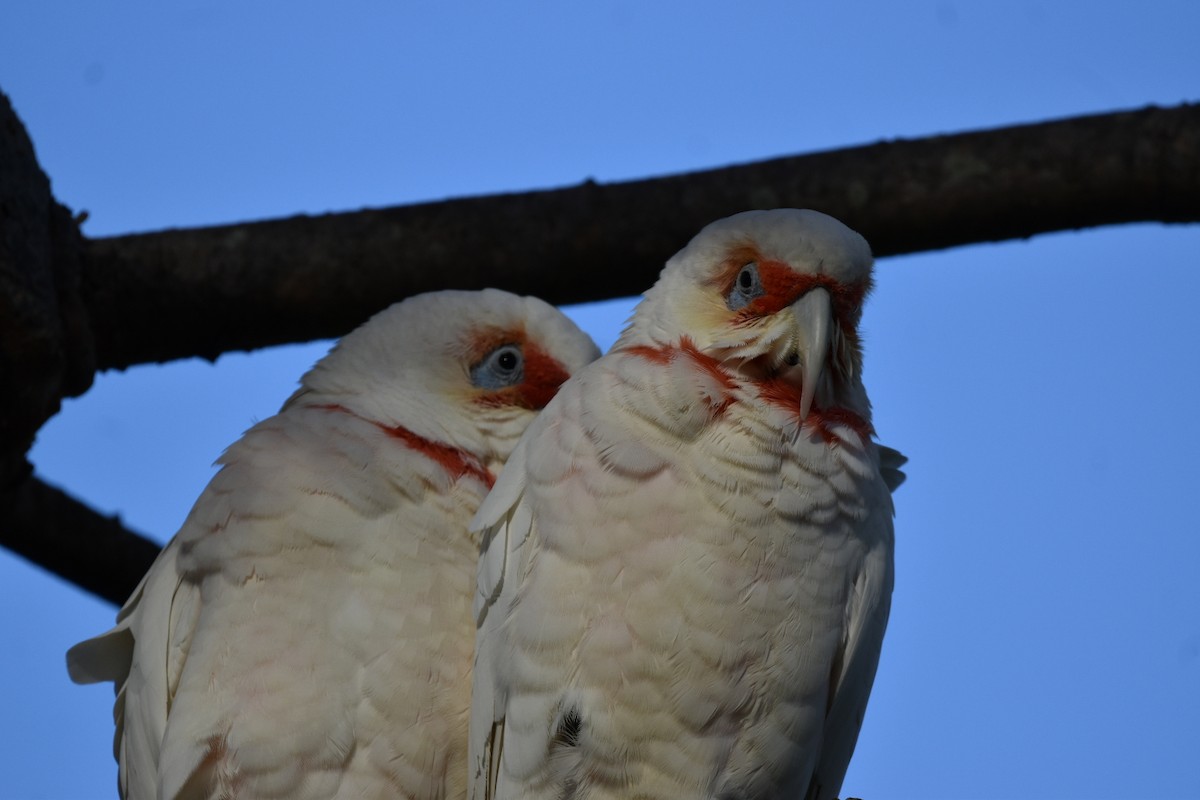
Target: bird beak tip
(814, 325)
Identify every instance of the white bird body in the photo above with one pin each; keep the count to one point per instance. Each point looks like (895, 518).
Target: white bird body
(308, 632)
(687, 573)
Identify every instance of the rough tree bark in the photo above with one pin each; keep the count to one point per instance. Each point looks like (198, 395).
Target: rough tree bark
(69, 306)
(94, 552)
(45, 343)
(153, 297)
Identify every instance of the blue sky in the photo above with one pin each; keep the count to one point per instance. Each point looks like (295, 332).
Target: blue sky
(1045, 634)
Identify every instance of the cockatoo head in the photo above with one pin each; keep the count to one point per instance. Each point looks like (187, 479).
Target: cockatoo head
(772, 295)
(464, 369)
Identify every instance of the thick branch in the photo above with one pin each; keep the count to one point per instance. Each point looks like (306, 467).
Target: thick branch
(61, 534)
(174, 294)
(179, 293)
(45, 339)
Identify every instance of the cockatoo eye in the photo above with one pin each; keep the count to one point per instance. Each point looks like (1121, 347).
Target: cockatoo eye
(746, 287)
(503, 367)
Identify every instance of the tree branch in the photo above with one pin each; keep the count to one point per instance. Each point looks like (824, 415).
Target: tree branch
(55, 531)
(45, 338)
(179, 293)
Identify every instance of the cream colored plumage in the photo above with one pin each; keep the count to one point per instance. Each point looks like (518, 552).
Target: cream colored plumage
(687, 562)
(308, 632)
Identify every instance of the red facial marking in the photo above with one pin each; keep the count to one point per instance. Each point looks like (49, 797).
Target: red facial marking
(543, 377)
(457, 462)
(712, 367)
(786, 395)
(783, 286)
(725, 382)
(842, 416)
(655, 355)
(484, 341)
(543, 373)
(778, 392)
(774, 390)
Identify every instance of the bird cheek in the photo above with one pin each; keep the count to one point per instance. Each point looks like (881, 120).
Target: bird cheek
(499, 398)
(782, 285)
(543, 377)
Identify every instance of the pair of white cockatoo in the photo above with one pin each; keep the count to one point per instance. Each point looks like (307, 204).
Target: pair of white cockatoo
(676, 588)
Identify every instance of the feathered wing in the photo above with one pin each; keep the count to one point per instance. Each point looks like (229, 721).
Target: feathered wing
(161, 616)
(145, 653)
(867, 616)
(890, 463)
(308, 634)
(265, 586)
(507, 528)
(866, 620)
(548, 454)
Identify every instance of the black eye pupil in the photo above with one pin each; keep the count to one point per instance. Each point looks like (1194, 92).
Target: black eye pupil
(501, 368)
(747, 287)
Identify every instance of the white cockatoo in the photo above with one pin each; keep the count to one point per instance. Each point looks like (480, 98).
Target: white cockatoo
(308, 633)
(687, 563)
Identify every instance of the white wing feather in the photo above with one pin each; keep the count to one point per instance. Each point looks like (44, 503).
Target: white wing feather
(292, 543)
(867, 617)
(506, 526)
(161, 614)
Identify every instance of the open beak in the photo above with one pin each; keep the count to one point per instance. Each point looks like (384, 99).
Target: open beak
(813, 315)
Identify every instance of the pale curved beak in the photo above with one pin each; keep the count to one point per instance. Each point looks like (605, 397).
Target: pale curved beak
(813, 314)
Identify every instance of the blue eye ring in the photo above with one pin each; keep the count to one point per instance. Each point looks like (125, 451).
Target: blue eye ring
(747, 287)
(499, 369)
